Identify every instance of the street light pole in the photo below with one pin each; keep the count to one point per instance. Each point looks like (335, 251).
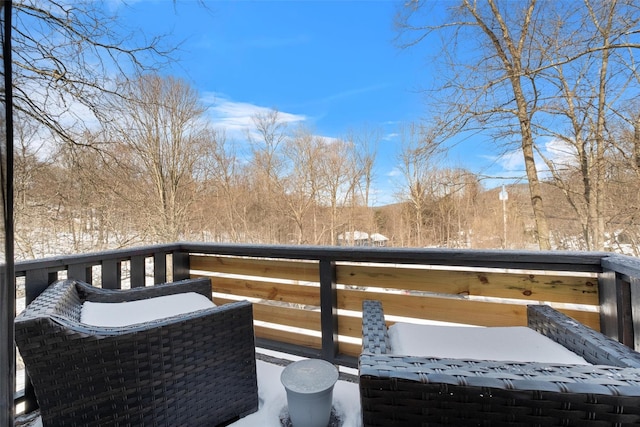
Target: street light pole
(504, 196)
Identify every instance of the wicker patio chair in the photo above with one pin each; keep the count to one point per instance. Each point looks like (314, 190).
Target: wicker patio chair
(195, 369)
(400, 390)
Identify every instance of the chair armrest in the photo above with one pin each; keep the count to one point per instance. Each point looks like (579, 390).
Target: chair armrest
(594, 347)
(499, 375)
(375, 337)
(90, 293)
(400, 390)
(58, 299)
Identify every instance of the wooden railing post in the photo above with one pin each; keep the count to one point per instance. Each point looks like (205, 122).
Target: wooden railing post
(634, 289)
(80, 272)
(137, 265)
(181, 265)
(111, 274)
(159, 267)
(329, 309)
(616, 320)
(620, 303)
(36, 281)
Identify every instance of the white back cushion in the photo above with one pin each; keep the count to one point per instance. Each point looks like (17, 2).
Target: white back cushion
(133, 312)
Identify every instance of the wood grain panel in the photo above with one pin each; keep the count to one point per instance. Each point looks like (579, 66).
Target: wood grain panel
(350, 326)
(349, 349)
(453, 310)
(535, 287)
(298, 294)
(288, 337)
(290, 316)
(307, 271)
(306, 319)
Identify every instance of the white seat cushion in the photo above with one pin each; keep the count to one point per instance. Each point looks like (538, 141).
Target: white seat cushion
(133, 312)
(519, 344)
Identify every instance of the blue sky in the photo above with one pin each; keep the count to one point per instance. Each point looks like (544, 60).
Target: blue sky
(330, 65)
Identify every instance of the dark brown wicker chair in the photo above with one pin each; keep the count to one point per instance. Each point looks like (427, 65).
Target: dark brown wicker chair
(196, 369)
(397, 390)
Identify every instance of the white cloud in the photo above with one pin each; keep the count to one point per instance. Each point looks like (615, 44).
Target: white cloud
(560, 152)
(394, 172)
(237, 117)
(510, 165)
(508, 162)
(555, 150)
(69, 113)
(511, 161)
(390, 136)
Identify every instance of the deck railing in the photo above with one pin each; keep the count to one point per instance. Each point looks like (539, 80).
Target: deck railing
(308, 299)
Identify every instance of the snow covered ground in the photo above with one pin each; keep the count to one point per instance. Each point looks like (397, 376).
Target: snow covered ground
(273, 399)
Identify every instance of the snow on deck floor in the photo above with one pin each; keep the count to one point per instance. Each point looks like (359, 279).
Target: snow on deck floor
(471, 343)
(273, 399)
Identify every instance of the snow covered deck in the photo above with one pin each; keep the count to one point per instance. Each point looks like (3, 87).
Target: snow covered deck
(272, 411)
(307, 301)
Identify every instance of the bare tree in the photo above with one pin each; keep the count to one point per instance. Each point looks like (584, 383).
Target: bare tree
(34, 190)
(266, 149)
(365, 142)
(502, 34)
(94, 211)
(503, 85)
(302, 183)
(478, 84)
(417, 164)
(30, 160)
(452, 192)
(338, 177)
(227, 191)
(163, 137)
(67, 57)
(592, 92)
(267, 139)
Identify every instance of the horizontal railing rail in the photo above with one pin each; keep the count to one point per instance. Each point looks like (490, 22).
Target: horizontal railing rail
(312, 296)
(307, 299)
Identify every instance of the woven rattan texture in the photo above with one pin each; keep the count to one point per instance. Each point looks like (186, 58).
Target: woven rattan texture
(398, 390)
(189, 370)
(593, 346)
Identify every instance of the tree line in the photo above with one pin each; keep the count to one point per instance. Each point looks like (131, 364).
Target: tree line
(110, 152)
(159, 172)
